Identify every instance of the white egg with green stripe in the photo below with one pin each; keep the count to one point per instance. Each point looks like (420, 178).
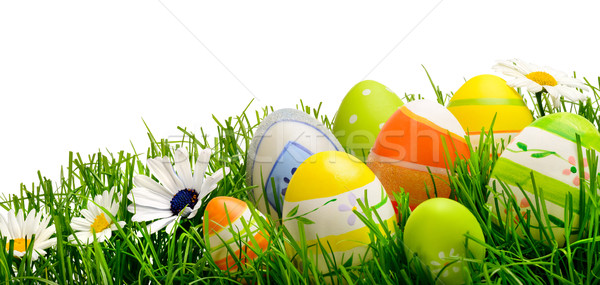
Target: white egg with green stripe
(547, 151)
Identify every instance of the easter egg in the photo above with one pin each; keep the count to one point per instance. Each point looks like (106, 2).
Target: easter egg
(283, 140)
(435, 232)
(325, 190)
(361, 115)
(230, 224)
(410, 146)
(484, 97)
(547, 150)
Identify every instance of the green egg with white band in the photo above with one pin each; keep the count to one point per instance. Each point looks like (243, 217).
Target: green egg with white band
(546, 150)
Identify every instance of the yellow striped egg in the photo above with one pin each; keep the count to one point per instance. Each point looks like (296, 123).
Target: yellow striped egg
(230, 224)
(480, 99)
(326, 189)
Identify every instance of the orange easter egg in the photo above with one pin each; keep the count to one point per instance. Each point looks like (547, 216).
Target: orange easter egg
(230, 224)
(411, 145)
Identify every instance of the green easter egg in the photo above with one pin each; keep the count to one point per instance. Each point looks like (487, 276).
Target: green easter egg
(435, 232)
(546, 150)
(364, 110)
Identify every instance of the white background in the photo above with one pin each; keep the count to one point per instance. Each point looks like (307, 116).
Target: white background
(80, 76)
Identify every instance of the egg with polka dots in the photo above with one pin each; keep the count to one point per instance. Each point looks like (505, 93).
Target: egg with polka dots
(362, 114)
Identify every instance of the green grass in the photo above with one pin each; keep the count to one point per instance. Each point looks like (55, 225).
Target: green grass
(181, 258)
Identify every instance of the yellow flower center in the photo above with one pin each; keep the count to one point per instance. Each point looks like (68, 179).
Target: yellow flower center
(20, 244)
(542, 78)
(100, 223)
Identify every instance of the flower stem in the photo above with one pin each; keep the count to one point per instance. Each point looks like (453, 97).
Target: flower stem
(538, 95)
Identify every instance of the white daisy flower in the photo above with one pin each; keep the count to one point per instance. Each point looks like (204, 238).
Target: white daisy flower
(179, 193)
(21, 230)
(537, 79)
(95, 220)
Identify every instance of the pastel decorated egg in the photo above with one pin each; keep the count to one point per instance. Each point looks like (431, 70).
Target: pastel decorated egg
(283, 140)
(435, 232)
(547, 150)
(361, 115)
(480, 99)
(243, 230)
(326, 188)
(411, 145)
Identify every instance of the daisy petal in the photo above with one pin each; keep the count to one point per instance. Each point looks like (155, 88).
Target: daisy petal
(114, 209)
(158, 225)
(518, 82)
(80, 224)
(105, 235)
(30, 224)
(556, 102)
(3, 228)
(131, 208)
(11, 228)
(98, 201)
(555, 95)
(148, 214)
(17, 224)
(167, 165)
(211, 182)
(45, 234)
(570, 93)
(170, 226)
(146, 182)
(200, 168)
(533, 87)
(45, 244)
(183, 167)
(185, 212)
(83, 237)
(194, 211)
(163, 174)
(150, 199)
(88, 215)
(114, 226)
(574, 83)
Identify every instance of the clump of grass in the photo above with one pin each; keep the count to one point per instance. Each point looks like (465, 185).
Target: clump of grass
(182, 258)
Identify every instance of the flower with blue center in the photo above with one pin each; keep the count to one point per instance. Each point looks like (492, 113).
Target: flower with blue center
(179, 193)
